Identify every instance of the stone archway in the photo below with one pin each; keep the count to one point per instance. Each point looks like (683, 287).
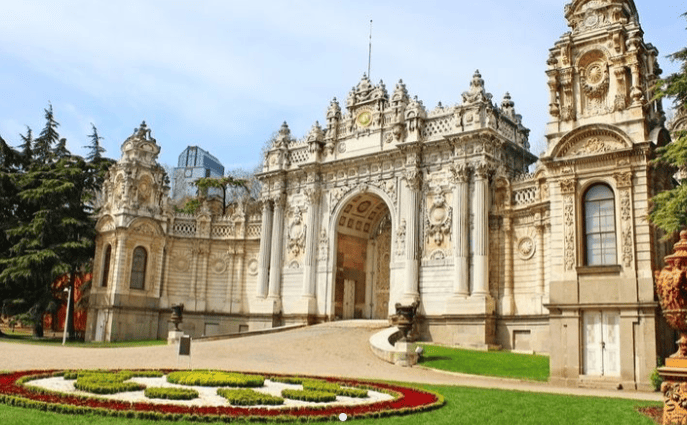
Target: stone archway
(363, 252)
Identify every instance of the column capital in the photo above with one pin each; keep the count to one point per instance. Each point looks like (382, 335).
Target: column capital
(482, 170)
(312, 194)
(460, 173)
(278, 200)
(413, 179)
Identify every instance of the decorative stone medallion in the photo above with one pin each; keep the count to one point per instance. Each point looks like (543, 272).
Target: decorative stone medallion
(526, 248)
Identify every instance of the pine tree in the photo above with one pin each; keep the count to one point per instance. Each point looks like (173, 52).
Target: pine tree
(95, 149)
(43, 146)
(46, 220)
(669, 211)
(27, 145)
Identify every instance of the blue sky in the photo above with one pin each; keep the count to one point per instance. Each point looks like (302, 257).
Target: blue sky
(225, 74)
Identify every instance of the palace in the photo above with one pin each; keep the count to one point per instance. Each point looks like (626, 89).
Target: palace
(390, 202)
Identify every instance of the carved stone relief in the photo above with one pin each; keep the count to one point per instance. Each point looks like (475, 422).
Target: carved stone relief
(569, 232)
(218, 262)
(526, 248)
(401, 238)
(323, 246)
(438, 219)
(296, 234)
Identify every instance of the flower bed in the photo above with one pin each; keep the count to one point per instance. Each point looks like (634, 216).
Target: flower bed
(248, 397)
(406, 401)
(106, 383)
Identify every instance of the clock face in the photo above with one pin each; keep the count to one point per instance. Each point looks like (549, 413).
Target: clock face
(364, 119)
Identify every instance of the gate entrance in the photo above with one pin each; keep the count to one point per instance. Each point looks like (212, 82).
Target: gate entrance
(361, 289)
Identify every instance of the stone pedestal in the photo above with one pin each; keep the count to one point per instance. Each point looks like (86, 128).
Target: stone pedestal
(474, 305)
(674, 389)
(405, 354)
(173, 337)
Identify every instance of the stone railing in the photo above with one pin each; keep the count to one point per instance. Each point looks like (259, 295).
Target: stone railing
(221, 229)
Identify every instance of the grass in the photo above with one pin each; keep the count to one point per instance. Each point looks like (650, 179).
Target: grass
(490, 363)
(23, 338)
(463, 406)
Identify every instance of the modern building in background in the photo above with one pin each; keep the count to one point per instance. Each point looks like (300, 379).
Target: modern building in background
(193, 164)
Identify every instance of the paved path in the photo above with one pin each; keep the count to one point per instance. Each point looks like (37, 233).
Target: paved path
(333, 349)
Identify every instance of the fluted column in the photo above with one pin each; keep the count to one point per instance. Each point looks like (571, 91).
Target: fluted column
(277, 244)
(461, 222)
(508, 267)
(481, 231)
(412, 212)
(313, 200)
(265, 246)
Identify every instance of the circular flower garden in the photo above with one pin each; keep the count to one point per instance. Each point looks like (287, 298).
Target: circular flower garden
(209, 395)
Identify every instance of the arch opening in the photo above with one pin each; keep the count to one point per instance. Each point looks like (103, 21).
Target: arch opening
(363, 253)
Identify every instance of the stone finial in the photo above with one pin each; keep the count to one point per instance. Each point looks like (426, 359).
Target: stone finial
(316, 133)
(334, 110)
(283, 136)
(400, 96)
(140, 146)
(476, 93)
(508, 106)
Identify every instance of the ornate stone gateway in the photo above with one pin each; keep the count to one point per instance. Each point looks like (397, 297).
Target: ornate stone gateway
(392, 202)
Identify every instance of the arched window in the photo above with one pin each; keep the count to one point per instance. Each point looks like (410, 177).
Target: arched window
(599, 226)
(138, 268)
(106, 266)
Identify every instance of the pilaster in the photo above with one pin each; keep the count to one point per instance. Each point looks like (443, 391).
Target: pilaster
(265, 247)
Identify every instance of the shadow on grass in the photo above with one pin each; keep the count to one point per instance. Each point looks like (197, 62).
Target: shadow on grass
(433, 358)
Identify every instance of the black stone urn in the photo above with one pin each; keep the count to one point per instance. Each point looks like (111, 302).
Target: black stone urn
(177, 315)
(405, 318)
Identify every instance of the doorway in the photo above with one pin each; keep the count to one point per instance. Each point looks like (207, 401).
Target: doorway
(361, 288)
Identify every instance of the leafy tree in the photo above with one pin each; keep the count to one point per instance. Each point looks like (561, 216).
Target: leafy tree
(223, 183)
(669, 211)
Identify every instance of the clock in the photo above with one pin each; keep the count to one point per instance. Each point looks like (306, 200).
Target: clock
(364, 119)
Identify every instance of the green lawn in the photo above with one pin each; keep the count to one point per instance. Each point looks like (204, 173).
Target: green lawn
(463, 406)
(489, 363)
(28, 339)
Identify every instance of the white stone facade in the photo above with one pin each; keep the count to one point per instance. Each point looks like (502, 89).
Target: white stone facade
(389, 202)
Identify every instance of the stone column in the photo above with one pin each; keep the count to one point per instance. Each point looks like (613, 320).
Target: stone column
(238, 264)
(508, 268)
(461, 229)
(310, 269)
(413, 181)
(119, 274)
(265, 246)
(481, 231)
(229, 294)
(277, 244)
(540, 259)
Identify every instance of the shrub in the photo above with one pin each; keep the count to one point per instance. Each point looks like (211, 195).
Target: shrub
(171, 393)
(215, 378)
(289, 379)
(332, 387)
(309, 395)
(247, 397)
(106, 382)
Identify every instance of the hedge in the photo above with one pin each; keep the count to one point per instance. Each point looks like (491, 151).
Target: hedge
(309, 395)
(171, 393)
(248, 397)
(106, 382)
(215, 378)
(332, 387)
